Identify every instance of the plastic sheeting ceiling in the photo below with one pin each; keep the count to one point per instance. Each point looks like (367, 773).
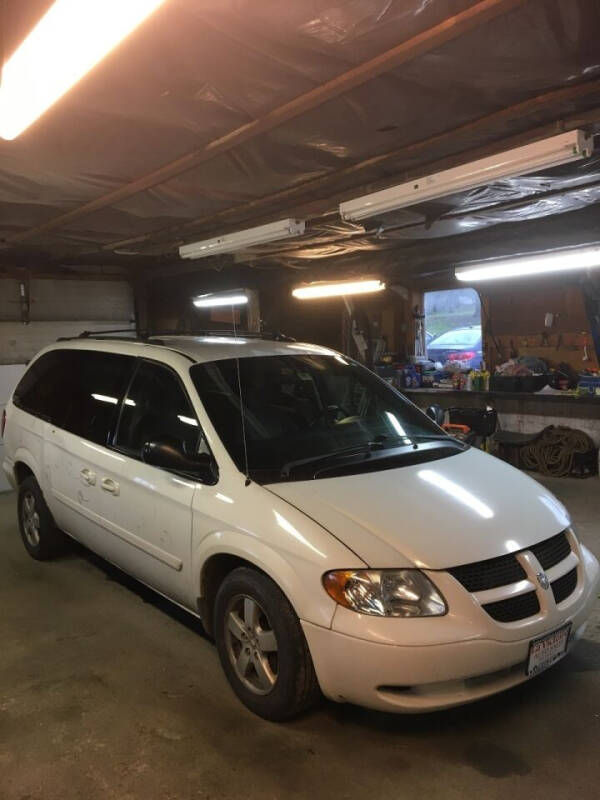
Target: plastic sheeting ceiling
(196, 70)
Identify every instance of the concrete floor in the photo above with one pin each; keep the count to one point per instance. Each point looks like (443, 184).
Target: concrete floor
(108, 692)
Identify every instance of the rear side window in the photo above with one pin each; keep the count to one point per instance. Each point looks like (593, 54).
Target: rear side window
(45, 387)
(157, 408)
(93, 393)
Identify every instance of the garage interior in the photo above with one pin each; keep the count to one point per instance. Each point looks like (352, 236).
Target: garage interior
(214, 118)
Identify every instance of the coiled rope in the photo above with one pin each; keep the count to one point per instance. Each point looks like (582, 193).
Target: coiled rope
(555, 450)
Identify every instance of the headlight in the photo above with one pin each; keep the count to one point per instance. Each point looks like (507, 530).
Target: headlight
(385, 593)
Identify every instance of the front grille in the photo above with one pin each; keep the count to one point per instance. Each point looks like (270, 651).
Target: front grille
(564, 586)
(505, 570)
(489, 574)
(514, 608)
(552, 551)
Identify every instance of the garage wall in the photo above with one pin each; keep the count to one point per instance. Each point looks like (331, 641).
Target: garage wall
(59, 308)
(517, 310)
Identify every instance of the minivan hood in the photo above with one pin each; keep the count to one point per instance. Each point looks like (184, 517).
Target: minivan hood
(435, 515)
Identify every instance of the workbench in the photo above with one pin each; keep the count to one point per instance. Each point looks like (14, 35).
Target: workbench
(521, 411)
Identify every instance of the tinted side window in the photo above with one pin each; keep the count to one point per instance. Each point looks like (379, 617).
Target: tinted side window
(44, 389)
(157, 407)
(93, 392)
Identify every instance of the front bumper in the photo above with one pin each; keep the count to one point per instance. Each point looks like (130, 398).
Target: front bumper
(424, 665)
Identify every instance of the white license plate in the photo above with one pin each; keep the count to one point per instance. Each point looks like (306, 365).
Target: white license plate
(547, 650)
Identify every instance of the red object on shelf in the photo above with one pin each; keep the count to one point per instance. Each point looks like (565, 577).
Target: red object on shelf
(454, 429)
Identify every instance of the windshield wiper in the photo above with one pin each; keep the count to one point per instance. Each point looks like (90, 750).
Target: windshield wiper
(357, 450)
(430, 437)
(381, 442)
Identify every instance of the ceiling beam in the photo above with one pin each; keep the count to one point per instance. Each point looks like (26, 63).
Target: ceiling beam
(543, 102)
(584, 119)
(424, 42)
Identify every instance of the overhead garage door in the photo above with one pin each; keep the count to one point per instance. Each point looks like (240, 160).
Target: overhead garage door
(59, 308)
(56, 308)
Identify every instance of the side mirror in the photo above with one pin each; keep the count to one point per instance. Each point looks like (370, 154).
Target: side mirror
(168, 453)
(437, 414)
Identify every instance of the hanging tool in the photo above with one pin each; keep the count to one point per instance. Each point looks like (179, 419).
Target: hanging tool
(585, 345)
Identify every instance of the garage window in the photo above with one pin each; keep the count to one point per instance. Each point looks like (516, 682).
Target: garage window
(453, 328)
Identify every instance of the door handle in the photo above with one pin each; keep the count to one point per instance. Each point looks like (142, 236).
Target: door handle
(88, 477)
(108, 485)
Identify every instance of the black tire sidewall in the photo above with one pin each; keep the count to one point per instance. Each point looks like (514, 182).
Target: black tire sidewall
(293, 657)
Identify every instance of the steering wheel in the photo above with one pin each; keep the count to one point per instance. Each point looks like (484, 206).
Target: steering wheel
(329, 413)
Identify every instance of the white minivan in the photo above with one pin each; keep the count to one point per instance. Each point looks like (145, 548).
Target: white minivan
(331, 537)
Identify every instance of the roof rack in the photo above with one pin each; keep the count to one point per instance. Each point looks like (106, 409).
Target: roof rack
(237, 333)
(146, 336)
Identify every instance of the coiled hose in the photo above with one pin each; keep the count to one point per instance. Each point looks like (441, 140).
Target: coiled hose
(555, 450)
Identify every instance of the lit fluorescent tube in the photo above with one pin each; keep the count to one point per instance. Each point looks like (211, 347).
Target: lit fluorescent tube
(339, 289)
(221, 299)
(535, 264)
(551, 152)
(69, 40)
(231, 242)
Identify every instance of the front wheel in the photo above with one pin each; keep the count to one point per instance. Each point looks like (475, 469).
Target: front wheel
(262, 647)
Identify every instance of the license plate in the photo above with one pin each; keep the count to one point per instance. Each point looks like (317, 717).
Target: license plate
(547, 650)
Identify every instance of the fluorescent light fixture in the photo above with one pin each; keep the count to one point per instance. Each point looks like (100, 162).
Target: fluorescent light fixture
(187, 420)
(231, 242)
(68, 41)
(551, 152)
(339, 289)
(103, 398)
(534, 264)
(214, 300)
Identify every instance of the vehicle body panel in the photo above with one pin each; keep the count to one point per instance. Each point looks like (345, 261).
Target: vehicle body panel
(436, 515)
(164, 529)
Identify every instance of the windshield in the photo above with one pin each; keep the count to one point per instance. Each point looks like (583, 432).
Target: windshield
(464, 336)
(301, 407)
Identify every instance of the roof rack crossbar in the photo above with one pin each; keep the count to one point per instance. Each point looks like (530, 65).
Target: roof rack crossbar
(153, 337)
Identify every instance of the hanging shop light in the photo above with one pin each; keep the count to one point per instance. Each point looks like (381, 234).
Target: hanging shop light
(216, 299)
(552, 152)
(312, 291)
(231, 242)
(68, 41)
(534, 264)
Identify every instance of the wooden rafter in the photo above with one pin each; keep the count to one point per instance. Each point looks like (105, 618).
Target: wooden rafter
(424, 42)
(544, 102)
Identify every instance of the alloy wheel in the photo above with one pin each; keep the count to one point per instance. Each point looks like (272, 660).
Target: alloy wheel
(31, 519)
(251, 644)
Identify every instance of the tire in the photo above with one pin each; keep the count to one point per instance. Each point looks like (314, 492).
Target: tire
(41, 537)
(266, 659)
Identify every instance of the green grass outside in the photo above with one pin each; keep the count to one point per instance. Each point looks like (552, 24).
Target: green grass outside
(447, 320)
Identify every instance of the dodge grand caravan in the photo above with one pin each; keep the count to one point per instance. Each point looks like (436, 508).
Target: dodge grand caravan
(329, 535)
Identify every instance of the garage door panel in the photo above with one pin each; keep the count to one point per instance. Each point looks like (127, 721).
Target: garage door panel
(80, 300)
